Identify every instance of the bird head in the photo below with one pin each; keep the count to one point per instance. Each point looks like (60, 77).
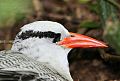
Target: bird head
(42, 36)
(38, 37)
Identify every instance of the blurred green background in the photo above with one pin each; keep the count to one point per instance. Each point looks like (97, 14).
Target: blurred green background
(96, 18)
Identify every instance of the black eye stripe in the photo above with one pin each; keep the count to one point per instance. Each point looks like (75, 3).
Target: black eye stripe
(47, 34)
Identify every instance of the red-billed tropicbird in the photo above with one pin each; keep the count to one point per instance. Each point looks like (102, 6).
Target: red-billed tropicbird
(39, 53)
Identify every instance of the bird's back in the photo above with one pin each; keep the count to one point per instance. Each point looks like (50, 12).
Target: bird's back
(15, 66)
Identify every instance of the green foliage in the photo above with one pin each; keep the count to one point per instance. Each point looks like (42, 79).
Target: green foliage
(111, 24)
(12, 11)
(107, 11)
(89, 24)
(112, 35)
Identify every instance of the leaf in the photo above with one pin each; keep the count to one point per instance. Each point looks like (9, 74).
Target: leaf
(112, 35)
(89, 24)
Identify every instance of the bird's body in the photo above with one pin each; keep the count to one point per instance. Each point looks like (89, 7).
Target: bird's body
(24, 65)
(39, 53)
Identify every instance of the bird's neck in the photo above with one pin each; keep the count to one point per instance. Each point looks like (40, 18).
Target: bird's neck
(43, 51)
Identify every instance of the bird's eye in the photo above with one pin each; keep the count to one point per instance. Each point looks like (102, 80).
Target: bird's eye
(57, 38)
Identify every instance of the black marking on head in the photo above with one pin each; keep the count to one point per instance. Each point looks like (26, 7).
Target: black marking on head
(48, 34)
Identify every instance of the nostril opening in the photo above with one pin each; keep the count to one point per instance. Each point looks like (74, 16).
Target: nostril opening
(72, 36)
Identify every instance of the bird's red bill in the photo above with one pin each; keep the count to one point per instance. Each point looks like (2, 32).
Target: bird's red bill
(82, 41)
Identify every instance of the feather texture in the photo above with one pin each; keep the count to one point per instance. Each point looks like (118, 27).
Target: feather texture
(13, 65)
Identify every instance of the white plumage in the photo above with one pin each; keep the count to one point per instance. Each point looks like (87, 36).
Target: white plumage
(47, 60)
